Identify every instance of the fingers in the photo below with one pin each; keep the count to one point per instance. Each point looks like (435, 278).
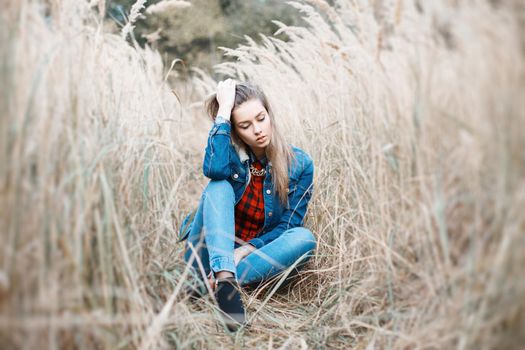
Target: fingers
(227, 82)
(226, 85)
(226, 93)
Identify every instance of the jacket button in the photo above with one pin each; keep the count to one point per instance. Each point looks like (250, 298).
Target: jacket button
(287, 190)
(235, 176)
(270, 214)
(268, 191)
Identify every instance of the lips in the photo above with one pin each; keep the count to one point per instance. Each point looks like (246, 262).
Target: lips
(261, 138)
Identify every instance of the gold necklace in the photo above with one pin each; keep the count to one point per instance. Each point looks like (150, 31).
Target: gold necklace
(256, 171)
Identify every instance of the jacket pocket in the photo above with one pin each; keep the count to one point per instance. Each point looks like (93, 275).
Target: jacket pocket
(292, 188)
(238, 174)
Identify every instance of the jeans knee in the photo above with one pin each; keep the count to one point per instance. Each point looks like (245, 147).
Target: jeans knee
(219, 188)
(304, 237)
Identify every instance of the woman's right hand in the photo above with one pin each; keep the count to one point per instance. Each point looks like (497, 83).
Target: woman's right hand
(226, 97)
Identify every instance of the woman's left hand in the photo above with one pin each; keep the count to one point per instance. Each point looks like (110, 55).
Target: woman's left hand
(242, 252)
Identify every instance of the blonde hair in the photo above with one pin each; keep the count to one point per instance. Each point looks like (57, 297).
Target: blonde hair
(278, 151)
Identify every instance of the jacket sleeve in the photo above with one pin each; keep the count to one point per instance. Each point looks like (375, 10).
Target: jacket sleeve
(298, 204)
(217, 155)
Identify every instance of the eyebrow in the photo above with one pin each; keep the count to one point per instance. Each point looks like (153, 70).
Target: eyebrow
(247, 121)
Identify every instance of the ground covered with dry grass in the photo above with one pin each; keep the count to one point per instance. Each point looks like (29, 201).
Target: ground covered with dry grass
(411, 110)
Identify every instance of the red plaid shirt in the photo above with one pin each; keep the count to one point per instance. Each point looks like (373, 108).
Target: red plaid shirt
(249, 211)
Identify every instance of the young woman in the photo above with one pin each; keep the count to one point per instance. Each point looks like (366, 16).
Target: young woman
(247, 227)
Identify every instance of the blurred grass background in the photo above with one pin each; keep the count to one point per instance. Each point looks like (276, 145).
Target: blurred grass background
(194, 33)
(411, 110)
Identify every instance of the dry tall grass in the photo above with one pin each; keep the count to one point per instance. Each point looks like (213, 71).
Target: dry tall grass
(412, 112)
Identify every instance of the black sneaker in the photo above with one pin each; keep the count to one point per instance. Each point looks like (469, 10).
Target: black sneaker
(228, 296)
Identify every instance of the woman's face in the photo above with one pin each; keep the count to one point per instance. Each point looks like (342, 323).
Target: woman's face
(252, 124)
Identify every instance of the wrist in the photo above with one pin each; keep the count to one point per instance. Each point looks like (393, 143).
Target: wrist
(224, 112)
(220, 119)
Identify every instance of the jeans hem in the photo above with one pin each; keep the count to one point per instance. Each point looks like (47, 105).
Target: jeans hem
(223, 264)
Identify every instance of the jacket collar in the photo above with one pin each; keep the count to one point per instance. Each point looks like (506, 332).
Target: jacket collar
(241, 151)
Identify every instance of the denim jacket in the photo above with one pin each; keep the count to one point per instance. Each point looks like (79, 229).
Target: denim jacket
(224, 160)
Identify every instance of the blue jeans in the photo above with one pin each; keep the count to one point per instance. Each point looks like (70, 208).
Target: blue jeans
(212, 238)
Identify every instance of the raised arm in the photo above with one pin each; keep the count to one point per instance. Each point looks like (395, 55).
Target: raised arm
(217, 154)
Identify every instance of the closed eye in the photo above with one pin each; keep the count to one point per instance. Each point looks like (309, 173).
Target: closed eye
(260, 119)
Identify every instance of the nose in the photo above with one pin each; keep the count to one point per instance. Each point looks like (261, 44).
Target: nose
(256, 129)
